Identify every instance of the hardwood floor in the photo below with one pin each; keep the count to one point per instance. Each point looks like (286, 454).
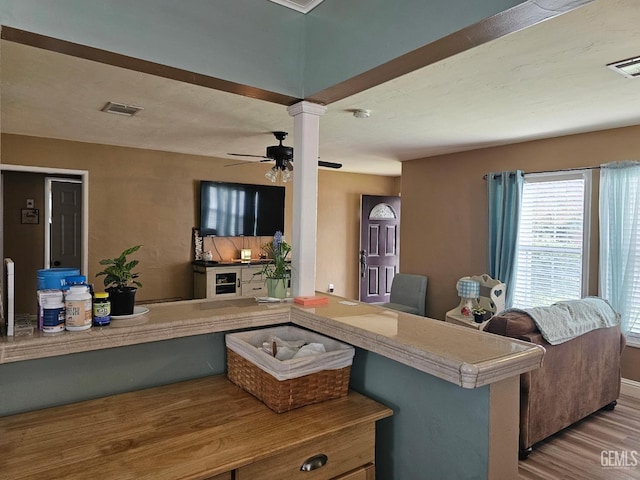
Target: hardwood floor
(604, 446)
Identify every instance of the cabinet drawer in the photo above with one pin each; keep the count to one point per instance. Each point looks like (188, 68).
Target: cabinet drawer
(254, 289)
(227, 476)
(368, 472)
(346, 449)
(252, 274)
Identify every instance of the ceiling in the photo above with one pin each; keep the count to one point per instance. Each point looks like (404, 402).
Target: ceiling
(545, 81)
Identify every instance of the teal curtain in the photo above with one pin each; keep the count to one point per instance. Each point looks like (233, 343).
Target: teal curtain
(505, 199)
(619, 275)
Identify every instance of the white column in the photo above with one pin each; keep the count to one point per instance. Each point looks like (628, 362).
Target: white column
(306, 127)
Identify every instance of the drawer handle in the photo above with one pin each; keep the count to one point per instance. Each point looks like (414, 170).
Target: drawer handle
(313, 463)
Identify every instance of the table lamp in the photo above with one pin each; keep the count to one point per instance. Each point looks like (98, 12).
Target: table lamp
(468, 291)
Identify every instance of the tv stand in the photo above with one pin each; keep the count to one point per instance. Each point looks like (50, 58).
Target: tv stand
(228, 281)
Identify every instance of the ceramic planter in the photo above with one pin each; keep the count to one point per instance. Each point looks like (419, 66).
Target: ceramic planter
(277, 287)
(122, 300)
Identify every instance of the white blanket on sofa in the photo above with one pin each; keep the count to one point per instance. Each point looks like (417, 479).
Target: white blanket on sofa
(563, 321)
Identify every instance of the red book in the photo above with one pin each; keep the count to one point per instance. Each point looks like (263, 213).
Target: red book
(311, 301)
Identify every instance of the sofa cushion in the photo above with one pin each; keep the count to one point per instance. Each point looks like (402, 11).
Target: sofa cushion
(511, 324)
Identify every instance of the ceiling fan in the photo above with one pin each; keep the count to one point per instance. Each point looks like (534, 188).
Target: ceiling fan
(283, 156)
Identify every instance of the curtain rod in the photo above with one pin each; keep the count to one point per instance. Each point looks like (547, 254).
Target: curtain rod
(549, 171)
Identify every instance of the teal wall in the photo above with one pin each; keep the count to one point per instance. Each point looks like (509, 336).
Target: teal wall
(250, 42)
(437, 431)
(35, 384)
(433, 422)
(344, 39)
(256, 43)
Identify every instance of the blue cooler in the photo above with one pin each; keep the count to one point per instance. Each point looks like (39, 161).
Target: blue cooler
(54, 278)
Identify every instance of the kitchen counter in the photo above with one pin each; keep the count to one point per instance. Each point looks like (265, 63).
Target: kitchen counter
(462, 356)
(454, 390)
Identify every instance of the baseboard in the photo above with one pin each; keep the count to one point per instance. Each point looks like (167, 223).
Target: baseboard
(630, 388)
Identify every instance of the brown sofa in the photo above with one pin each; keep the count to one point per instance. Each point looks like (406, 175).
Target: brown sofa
(577, 378)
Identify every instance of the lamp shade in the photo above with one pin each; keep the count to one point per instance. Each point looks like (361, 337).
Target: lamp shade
(468, 288)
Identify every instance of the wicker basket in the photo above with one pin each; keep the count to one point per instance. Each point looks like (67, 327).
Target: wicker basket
(284, 395)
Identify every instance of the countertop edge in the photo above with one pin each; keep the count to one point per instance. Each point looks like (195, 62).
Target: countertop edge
(466, 375)
(196, 319)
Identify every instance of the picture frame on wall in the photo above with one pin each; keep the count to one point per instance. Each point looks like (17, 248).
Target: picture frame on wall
(30, 215)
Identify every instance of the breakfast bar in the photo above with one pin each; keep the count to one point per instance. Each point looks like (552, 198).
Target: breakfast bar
(453, 391)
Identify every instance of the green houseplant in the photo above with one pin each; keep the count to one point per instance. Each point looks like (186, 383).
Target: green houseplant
(478, 313)
(277, 270)
(121, 281)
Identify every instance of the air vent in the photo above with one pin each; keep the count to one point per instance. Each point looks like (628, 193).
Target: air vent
(121, 109)
(303, 6)
(630, 68)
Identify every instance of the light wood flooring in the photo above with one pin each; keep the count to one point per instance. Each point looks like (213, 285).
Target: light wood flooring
(576, 452)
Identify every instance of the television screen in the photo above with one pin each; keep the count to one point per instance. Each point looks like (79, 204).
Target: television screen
(237, 209)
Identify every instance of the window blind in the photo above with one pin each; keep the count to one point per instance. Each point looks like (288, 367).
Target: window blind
(551, 240)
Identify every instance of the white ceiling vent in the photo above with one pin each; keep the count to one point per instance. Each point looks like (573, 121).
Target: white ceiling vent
(303, 6)
(630, 68)
(121, 109)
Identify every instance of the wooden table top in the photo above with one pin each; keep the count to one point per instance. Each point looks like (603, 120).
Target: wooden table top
(188, 430)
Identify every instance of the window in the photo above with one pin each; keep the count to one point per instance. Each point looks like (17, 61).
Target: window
(553, 238)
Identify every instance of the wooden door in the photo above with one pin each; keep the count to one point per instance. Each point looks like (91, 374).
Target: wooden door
(379, 246)
(65, 240)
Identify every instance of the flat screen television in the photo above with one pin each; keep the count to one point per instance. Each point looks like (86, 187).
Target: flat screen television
(238, 209)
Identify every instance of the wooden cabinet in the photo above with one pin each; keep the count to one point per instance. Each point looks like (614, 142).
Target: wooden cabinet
(224, 282)
(343, 451)
(252, 282)
(216, 282)
(367, 472)
(205, 428)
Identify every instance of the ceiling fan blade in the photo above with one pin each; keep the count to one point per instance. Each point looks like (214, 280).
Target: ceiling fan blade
(329, 164)
(236, 164)
(248, 155)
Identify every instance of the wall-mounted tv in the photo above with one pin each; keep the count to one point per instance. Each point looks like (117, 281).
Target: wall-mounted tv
(238, 209)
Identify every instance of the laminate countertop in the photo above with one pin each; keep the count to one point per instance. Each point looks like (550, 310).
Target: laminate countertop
(463, 356)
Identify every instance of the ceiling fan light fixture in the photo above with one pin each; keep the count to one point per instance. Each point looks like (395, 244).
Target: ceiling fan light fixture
(287, 175)
(272, 175)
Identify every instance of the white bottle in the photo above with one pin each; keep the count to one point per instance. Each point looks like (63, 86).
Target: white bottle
(53, 316)
(79, 309)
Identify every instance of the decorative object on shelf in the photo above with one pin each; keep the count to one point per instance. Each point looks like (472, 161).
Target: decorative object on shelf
(197, 244)
(478, 314)
(120, 281)
(276, 271)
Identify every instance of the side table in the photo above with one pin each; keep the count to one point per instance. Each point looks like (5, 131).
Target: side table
(459, 319)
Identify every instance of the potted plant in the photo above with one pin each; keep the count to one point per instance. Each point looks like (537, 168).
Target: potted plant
(478, 313)
(276, 271)
(120, 281)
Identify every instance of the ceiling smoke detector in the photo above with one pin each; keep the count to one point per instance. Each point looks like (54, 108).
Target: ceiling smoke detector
(362, 113)
(121, 109)
(630, 67)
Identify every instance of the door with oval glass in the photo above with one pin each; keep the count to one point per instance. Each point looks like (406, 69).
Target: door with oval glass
(379, 255)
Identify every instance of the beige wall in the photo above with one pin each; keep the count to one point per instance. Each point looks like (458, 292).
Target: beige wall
(338, 236)
(444, 205)
(150, 197)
